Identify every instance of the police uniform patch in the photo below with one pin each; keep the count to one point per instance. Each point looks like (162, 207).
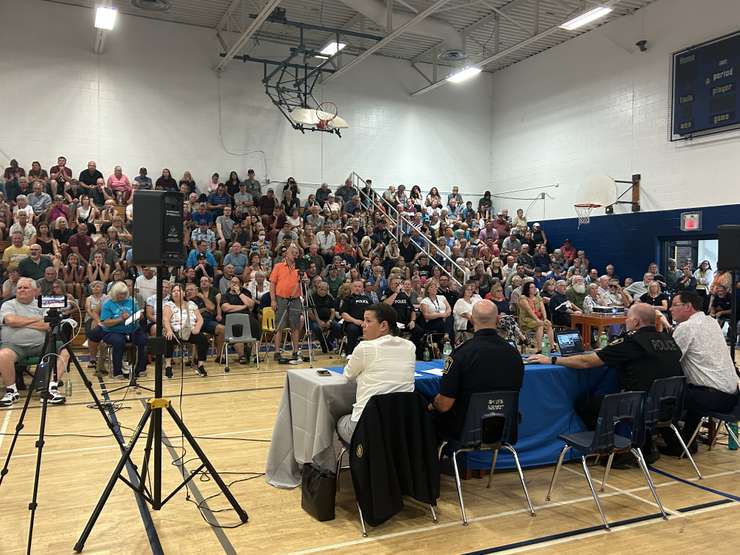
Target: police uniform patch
(448, 363)
(359, 451)
(617, 341)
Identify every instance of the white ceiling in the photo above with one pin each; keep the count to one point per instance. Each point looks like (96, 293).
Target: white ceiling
(522, 19)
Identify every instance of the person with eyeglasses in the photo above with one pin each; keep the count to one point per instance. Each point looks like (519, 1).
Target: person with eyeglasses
(711, 376)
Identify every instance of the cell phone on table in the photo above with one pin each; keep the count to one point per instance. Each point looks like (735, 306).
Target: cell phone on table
(323, 372)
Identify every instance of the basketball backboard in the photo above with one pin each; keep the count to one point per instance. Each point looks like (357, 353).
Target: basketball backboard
(599, 190)
(311, 116)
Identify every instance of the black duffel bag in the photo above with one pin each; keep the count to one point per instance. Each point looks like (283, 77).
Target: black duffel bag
(318, 491)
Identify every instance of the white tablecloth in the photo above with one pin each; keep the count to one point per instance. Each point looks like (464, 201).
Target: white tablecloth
(305, 425)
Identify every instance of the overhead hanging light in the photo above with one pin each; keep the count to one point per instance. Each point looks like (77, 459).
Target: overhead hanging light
(585, 18)
(464, 74)
(332, 48)
(105, 18)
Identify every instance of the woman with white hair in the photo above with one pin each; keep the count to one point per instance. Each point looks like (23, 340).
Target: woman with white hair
(118, 328)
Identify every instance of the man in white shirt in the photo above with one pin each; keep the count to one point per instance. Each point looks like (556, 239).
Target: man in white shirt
(145, 285)
(712, 382)
(326, 241)
(381, 363)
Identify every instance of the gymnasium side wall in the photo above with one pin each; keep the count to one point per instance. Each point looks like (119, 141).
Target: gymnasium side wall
(632, 241)
(152, 99)
(596, 105)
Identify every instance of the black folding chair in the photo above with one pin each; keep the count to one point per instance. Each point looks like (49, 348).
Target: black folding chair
(620, 408)
(663, 408)
(491, 424)
(726, 418)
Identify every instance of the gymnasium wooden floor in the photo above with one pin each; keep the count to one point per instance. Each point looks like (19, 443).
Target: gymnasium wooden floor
(234, 415)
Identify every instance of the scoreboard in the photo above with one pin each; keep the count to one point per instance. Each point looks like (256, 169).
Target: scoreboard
(705, 81)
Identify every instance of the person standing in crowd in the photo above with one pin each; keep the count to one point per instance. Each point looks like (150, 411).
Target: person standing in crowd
(285, 299)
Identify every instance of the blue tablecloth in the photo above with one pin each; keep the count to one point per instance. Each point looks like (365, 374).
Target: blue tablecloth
(545, 403)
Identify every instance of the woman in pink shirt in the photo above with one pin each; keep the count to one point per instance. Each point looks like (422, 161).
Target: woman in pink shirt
(120, 185)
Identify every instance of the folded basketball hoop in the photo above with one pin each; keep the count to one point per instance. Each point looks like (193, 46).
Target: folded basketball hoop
(326, 112)
(584, 212)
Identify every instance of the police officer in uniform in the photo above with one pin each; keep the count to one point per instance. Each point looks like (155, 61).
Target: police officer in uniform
(640, 357)
(405, 313)
(353, 311)
(483, 363)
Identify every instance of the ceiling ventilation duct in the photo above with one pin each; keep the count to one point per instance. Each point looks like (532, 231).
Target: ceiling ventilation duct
(152, 5)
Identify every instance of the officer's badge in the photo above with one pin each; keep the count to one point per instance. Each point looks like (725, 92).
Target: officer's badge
(617, 341)
(359, 451)
(448, 363)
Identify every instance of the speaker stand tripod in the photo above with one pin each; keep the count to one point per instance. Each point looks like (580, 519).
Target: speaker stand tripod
(153, 417)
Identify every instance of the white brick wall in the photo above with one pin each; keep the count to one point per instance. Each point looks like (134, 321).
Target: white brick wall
(596, 105)
(151, 99)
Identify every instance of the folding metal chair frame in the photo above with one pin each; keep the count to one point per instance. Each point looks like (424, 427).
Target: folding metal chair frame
(494, 449)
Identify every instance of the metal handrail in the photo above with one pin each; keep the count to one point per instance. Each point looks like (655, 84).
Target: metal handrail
(399, 219)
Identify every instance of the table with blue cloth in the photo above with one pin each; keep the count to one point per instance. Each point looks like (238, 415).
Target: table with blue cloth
(546, 404)
(304, 428)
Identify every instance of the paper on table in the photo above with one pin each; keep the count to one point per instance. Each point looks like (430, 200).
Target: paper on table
(435, 371)
(133, 318)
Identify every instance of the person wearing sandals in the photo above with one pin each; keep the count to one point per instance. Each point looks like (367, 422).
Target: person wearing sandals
(93, 304)
(182, 324)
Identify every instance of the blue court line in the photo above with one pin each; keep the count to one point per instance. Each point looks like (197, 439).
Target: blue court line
(695, 484)
(581, 531)
(146, 518)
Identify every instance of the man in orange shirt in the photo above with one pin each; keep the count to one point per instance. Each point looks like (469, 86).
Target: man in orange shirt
(285, 298)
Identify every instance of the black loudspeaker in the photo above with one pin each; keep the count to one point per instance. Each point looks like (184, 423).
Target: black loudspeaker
(158, 228)
(729, 247)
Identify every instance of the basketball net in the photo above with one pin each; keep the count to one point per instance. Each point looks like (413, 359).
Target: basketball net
(584, 213)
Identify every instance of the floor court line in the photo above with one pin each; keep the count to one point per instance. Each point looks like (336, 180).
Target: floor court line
(550, 505)
(653, 504)
(4, 429)
(105, 447)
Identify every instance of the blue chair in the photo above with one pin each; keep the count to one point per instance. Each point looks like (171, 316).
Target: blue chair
(726, 418)
(491, 424)
(623, 409)
(663, 408)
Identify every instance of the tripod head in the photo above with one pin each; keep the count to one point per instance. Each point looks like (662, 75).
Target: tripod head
(53, 318)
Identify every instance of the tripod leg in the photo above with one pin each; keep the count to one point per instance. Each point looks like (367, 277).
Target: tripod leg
(202, 456)
(39, 449)
(147, 452)
(89, 386)
(112, 481)
(19, 426)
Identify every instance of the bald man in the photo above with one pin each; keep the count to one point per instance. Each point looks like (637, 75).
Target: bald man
(640, 357)
(484, 363)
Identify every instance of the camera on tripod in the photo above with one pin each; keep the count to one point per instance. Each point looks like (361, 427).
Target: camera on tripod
(53, 303)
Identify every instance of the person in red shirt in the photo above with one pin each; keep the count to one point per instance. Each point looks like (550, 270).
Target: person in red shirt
(568, 250)
(81, 243)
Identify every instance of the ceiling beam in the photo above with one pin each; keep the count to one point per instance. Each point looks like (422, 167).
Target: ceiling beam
(227, 14)
(387, 39)
(507, 17)
(268, 8)
(486, 19)
(502, 54)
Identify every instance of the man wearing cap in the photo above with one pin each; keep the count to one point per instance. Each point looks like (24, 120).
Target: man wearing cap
(285, 299)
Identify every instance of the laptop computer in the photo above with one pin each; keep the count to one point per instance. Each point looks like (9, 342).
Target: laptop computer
(569, 343)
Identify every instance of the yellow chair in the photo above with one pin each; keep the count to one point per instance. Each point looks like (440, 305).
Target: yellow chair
(267, 324)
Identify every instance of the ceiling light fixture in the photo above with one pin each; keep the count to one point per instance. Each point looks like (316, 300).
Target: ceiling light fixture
(464, 74)
(332, 48)
(585, 18)
(105, 18)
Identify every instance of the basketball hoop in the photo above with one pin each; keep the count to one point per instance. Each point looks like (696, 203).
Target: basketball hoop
(584, 213)
(326, 112)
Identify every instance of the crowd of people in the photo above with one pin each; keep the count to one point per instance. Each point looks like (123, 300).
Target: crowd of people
(248, 248)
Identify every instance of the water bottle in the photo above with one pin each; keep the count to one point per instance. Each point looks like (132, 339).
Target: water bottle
(447, 349)
(68, 385)
(545, 344)
(731, 445)
(603, 340)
